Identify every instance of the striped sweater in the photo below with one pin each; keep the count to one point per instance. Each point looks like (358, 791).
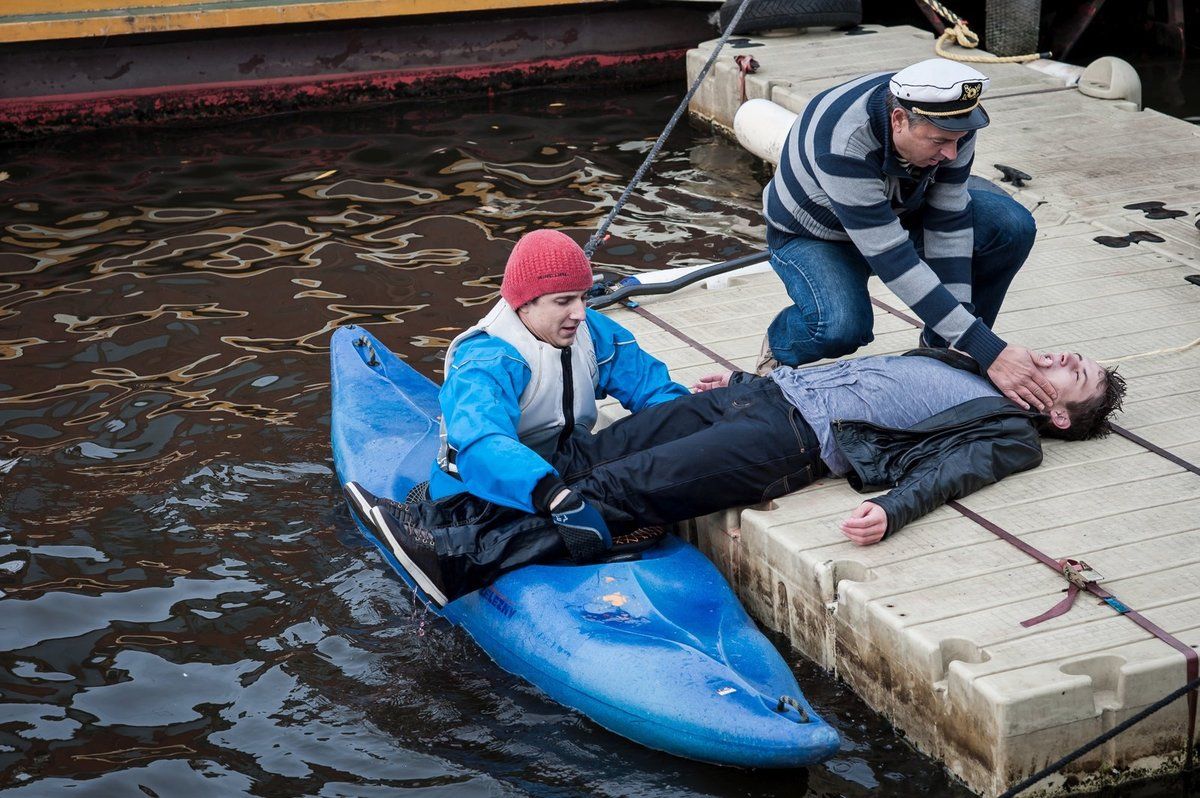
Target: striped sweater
(839, 180)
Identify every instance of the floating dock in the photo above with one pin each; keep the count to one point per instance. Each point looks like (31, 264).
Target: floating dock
(925, 625)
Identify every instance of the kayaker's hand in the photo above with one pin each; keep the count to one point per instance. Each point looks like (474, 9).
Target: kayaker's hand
(1017, 373)
(866, 525)
(711, 381)
(582, 527)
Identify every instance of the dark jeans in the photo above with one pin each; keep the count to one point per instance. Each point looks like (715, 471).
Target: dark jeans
(694, 455)
(831, 314)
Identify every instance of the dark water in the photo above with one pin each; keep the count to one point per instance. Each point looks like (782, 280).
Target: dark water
(187, 608)
(1141, 33)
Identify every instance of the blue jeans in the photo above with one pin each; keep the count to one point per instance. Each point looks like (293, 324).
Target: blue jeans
(827, 281)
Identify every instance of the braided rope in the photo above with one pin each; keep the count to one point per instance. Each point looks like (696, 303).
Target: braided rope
(596, 238)
(968, 39)
(958, 112)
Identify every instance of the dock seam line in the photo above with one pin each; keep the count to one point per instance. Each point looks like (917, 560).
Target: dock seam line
(1026, 93)
(687, 339)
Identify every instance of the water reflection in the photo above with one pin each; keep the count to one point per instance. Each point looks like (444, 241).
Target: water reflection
(187, 609)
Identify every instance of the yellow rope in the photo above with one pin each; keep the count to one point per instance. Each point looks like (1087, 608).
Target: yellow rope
(964, 37)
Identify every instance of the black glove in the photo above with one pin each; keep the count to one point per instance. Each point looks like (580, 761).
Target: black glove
(582, 528)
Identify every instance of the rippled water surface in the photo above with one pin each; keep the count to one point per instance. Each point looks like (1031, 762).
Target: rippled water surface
(187, 608)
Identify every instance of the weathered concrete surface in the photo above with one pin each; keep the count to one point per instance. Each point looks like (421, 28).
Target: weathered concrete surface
(926, 625)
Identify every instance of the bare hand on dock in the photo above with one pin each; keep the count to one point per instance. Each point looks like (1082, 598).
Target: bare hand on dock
(711, 381)
(866, 525)
(1017, 373)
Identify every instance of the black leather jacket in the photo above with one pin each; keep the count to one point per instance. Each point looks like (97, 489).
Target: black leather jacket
(947, 456)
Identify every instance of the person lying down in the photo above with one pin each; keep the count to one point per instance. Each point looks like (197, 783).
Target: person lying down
(926, 426)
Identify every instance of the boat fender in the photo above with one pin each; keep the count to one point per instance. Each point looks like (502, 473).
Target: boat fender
(1111, 78)
(762, 127)
(763, 15)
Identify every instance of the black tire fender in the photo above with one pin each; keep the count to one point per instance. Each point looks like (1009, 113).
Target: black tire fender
(766, 14)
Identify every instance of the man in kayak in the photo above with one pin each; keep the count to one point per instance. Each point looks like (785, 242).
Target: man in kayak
(873, 179)
(524, 381)
(927, 426)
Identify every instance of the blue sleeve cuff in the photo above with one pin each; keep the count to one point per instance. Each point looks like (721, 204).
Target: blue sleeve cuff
(981, 343)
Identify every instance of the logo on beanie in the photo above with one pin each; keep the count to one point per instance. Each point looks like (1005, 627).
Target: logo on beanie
(556, 276)
(970, 91)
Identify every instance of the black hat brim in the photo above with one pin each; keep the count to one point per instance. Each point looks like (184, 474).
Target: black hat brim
(973, 121)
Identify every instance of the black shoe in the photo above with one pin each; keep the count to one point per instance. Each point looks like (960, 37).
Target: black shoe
(414, 549)
(638, 540)
(924, 343)
(361, 501)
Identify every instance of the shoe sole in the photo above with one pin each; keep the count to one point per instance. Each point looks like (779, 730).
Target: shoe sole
(423, 582)
(765, 369)
(358, 501)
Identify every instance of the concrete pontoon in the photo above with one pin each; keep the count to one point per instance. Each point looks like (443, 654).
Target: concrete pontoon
(925, 626)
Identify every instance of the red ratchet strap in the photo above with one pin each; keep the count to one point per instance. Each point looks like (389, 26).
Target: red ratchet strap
(1158, 450)
(682, 336)
(898, 313)
(746, 66)
(1073, 571)
(1191, 659)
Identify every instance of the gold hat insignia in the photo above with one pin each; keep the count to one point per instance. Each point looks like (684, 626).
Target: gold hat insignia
(971, 90)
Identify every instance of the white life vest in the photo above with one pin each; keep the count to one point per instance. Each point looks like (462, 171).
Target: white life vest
(542, 414)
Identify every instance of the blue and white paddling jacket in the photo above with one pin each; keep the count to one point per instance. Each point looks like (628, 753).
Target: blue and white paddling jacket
(840, 180)
(503, 400)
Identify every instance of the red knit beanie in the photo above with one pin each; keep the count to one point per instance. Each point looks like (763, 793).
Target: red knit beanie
(544, 262)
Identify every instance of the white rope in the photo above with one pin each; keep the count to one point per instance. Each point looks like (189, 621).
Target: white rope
(595, 240)
(1173, 349)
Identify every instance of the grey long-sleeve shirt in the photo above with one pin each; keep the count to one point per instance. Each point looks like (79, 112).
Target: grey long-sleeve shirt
(888, 390)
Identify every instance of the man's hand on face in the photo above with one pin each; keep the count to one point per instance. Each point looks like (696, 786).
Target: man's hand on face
(711, 381)
(866, 525)
(1017, 373)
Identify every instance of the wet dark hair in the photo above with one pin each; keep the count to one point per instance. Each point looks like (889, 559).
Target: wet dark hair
(1089, 419)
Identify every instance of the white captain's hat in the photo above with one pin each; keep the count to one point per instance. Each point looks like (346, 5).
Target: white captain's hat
(945, 92)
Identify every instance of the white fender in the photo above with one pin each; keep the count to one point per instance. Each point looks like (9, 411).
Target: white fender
(1110, 78)
(762, 127)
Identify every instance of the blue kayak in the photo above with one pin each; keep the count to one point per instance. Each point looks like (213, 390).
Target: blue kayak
(656, 649)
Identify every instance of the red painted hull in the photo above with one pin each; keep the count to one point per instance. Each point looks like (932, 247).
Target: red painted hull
(154, 83)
